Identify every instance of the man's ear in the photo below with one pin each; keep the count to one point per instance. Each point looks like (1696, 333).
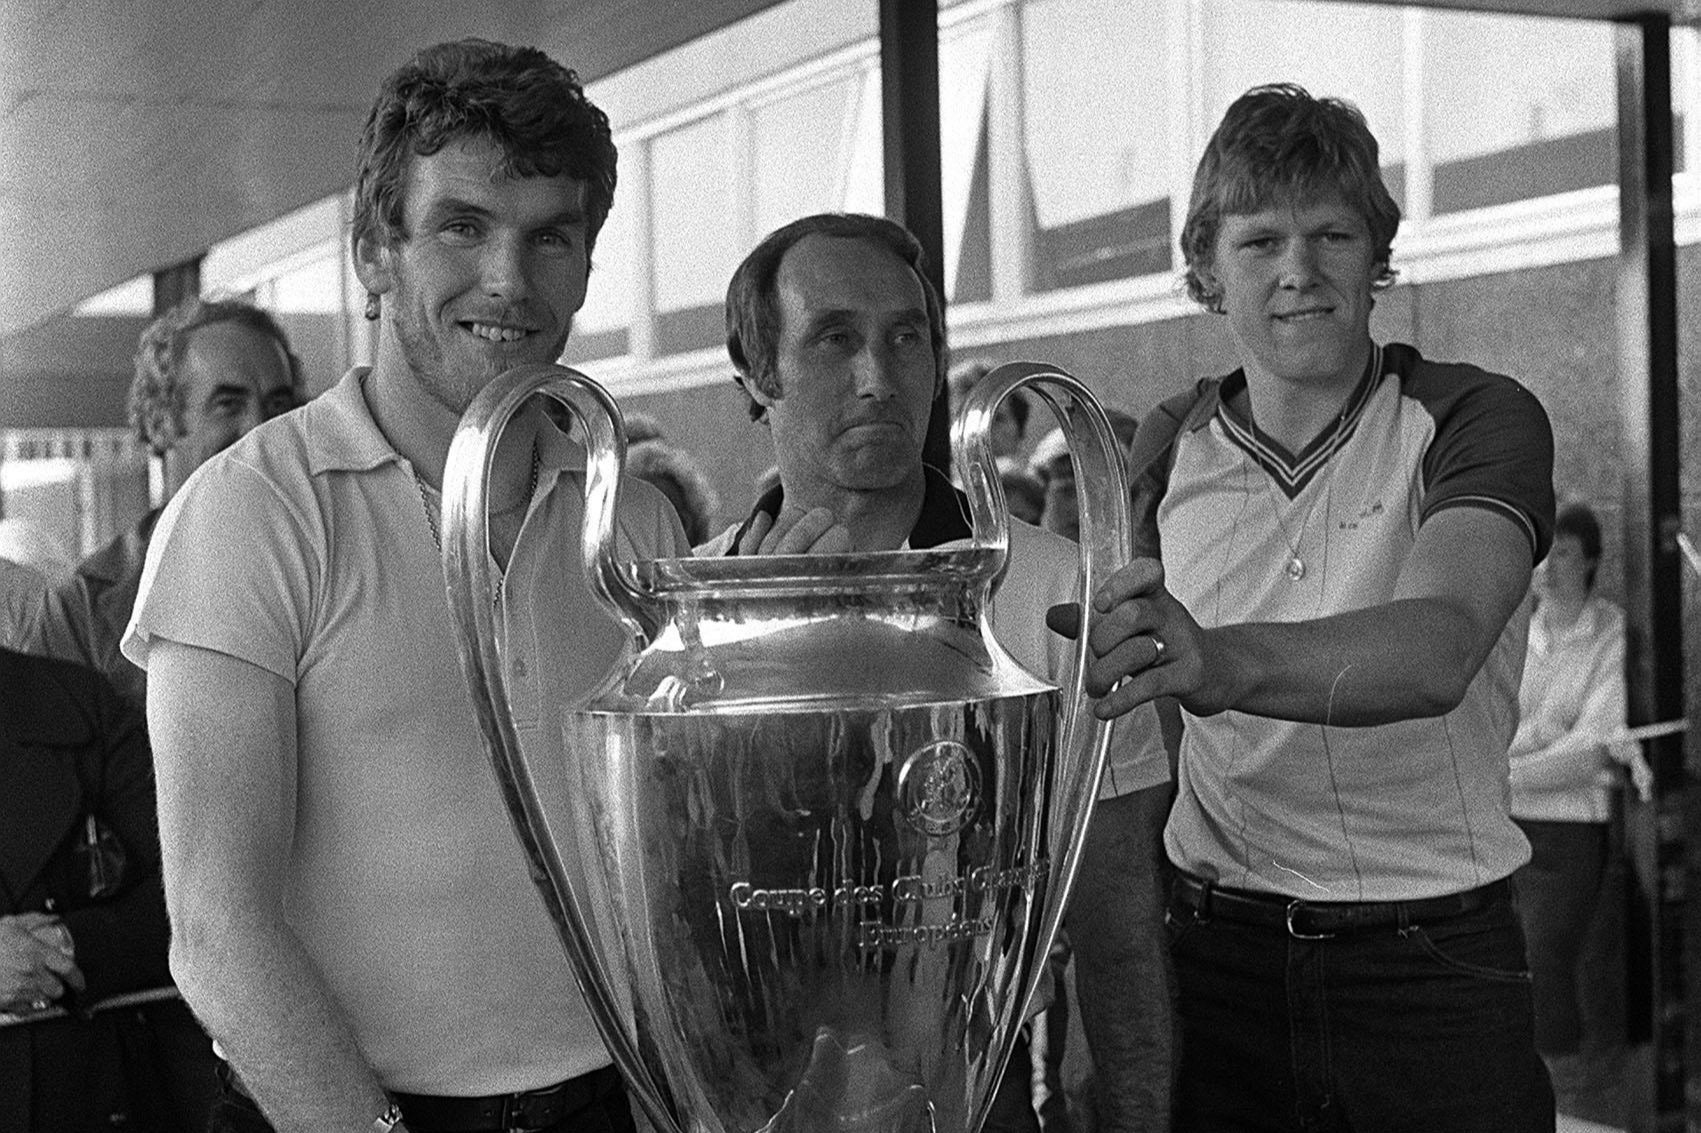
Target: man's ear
(372, 264)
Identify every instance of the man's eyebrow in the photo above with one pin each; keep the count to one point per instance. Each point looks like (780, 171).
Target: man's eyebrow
(455, 206)
(228, 389)
(451, 206)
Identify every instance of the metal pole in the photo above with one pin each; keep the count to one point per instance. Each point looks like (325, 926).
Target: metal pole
(909, 99)
(1650, 435)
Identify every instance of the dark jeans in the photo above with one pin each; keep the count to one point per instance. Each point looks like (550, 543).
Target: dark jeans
(237, 1113)
(1558, 892)
(1382, 1031)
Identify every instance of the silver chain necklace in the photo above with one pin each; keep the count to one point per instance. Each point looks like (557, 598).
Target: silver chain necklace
(432, 500)
(1295, 566)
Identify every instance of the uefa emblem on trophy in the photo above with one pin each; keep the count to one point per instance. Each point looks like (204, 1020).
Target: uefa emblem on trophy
(823, 827)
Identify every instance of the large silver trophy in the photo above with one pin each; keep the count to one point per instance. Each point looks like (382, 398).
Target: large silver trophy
(822, 828)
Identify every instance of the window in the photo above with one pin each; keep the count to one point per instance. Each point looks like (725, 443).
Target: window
(695, 239)
(963, 160)
(1348, 51)
(1516, 107)
(599, 329)
(801, 146)
(1097, 111)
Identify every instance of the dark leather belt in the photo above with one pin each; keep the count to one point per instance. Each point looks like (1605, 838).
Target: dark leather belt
(1320, 920)
(534, 1109)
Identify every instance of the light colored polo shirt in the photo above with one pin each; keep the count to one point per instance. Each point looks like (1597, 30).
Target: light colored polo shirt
(1406, 810)
(305, 549)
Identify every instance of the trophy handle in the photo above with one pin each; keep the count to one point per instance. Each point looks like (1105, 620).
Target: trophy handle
(470, 579)
(1101, 483)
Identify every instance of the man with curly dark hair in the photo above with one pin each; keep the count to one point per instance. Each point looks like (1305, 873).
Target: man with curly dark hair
(207, 371)
(352, 916)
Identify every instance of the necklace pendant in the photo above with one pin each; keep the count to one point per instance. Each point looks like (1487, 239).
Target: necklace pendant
(1296, 568)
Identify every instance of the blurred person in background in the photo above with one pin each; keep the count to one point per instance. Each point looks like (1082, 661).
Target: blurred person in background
(676, 474)
(206, 372)
(82, 918)
(641, 427)
(1009, 421)
(22, 589)
(1565, 767)
(1024, 495)
(1051, 466)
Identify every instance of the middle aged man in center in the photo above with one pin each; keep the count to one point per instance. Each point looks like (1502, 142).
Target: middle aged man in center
(839, 341)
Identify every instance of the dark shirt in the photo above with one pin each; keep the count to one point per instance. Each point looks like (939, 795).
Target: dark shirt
(944, 513)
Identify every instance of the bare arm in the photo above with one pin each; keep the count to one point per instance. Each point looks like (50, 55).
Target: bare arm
(225, 752)
(1123, 974)
(1411, 657)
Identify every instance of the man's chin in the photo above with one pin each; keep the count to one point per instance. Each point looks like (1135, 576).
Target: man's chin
(893, 470)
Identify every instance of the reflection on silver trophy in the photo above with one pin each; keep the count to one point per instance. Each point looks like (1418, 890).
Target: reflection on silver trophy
(822, 828)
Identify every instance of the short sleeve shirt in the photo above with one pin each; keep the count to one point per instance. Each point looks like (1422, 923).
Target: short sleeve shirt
(1405, 810)
(305, 549)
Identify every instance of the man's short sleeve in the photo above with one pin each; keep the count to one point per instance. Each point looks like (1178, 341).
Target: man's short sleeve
(1493, 448)
(229, 569)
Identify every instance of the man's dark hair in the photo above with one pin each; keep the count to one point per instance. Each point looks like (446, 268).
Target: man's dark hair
(518, 98)
(156, 394)
(1579, 522)
(1278, 144)
(678, 477)
(753, 302)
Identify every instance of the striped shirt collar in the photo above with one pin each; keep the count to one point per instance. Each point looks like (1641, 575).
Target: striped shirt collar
(1292, 473)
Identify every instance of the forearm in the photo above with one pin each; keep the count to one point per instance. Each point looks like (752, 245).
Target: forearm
(264, 1002)
(1399, 661)
(1122, 969)
(1568, 765)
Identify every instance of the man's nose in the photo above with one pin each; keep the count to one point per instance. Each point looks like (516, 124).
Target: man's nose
(874, 373)
(1298, 265)
(507, 266)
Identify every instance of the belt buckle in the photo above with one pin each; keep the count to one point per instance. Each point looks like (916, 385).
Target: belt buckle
(1294, 907)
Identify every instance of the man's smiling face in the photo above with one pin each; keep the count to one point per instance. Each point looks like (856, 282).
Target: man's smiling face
(1295, 281)
(487, 274)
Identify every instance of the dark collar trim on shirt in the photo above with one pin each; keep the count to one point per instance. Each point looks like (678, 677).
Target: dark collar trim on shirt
(944, 513)
(1293, 473)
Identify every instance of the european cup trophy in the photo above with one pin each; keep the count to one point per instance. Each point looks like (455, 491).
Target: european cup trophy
(820, 828)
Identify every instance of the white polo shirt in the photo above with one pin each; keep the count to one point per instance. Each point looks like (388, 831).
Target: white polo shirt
(305, 549)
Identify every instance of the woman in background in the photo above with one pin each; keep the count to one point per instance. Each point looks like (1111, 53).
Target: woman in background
(1572, 700)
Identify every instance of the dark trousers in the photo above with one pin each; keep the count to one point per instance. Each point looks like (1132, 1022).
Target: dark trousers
(1558, 892)
(1399, 1030)
(236, 1112)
